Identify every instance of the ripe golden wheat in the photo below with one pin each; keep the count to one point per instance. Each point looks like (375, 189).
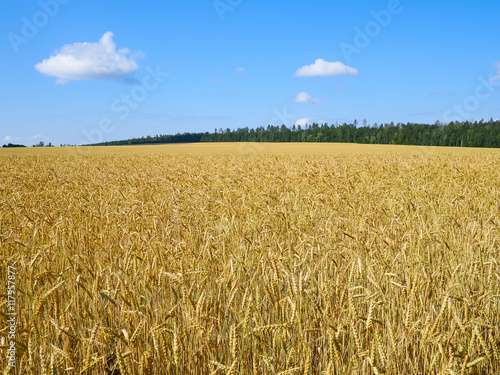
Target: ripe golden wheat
(137, 263)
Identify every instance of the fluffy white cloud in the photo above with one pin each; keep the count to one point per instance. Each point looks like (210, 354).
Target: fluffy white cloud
(322, 68)
(240, 70)
(304, 97)
(100, 61)
(10, 139)
(303, 121)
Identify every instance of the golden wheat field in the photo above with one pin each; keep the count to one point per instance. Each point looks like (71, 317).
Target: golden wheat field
(251, 259)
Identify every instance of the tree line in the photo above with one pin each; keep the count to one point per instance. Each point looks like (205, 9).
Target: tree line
(40, 144)
(455, 134)
(12, 145)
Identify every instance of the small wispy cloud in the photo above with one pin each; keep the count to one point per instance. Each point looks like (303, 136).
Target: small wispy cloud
(322, 68)
(148, 115)
(240, 70)
(182, 117)
(214, 80)
(424, 114)
(40, 137)
(339, 87)
(442, 93)
(496, 77)
(304, 97)
(230, 92)
(90, 61)
(11, 139)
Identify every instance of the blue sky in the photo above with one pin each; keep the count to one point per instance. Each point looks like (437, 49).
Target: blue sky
(199, 65)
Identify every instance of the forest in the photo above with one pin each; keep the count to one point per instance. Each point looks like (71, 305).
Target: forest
(12, 145)
(455, 134)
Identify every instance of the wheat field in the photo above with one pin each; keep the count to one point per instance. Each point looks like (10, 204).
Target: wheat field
(252, 259)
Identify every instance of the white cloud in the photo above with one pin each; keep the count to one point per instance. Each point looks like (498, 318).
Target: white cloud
(240, 70)
(339, 87)
(304, 97)
(303, 121)
(41, 137)
(322, 68)
(424, 114)
(10, 139)
(98, 61)
(497, 77)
